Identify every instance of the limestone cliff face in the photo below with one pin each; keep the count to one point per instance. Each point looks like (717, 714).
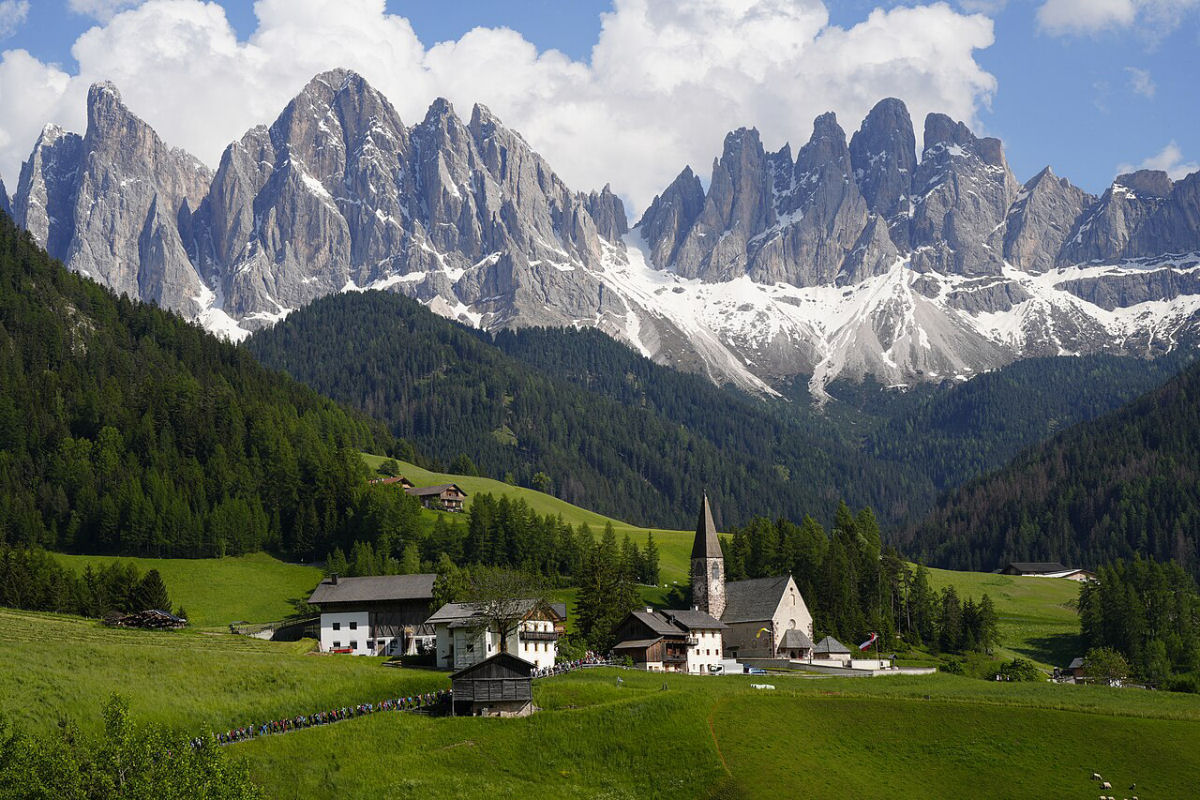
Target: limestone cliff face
(846, 259)
(115, 203)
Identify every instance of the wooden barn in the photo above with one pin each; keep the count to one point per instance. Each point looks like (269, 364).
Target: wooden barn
(445, 496)
(501, 686)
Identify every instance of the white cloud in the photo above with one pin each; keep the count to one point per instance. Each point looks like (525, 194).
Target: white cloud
(1141, 82)
(102, 10)
(666, 79)
(12, 15)
(1169, 160)
(1151, 18)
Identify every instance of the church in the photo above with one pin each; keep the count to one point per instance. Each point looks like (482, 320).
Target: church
(763, 617)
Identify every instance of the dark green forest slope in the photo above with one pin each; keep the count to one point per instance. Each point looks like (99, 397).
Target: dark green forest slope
(619, 434)
(1127, 483)
(642, 452)
(125, 430)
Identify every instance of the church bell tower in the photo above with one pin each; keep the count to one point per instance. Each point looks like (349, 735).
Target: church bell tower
(708, 565)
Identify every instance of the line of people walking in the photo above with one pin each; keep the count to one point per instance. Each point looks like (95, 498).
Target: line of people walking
(286, 724)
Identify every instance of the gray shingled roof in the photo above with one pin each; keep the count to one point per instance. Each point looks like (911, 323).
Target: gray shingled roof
(464, 614)
(753, 600)
(635, 644)
(1076, 663)
(656, 622)
(831, 646)
(691, 620)
(375, 589)
(706, 544)
(1037, 566)
(795, 639)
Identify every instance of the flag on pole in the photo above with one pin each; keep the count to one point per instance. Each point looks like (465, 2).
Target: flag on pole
(865, 645)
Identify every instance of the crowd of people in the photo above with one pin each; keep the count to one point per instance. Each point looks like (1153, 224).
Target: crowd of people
(407, 703)
(589, 660)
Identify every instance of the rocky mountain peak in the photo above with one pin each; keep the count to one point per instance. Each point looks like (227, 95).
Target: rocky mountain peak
(883, 153)
(1146, 182)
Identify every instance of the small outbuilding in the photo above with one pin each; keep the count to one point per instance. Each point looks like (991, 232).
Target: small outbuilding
(830, 649)
(500, 686)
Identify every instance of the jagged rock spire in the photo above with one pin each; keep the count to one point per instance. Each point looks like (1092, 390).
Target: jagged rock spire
(707, 545)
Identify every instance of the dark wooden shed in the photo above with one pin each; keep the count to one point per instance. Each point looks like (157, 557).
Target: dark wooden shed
(501, 686)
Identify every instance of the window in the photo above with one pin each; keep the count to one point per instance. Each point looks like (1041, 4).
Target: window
(337, 645)
(353, 626)
(354, 645)
(337, 626)
(716, 570)
(371, 644)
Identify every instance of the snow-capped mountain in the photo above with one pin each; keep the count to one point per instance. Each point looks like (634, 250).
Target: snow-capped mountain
(850, 259)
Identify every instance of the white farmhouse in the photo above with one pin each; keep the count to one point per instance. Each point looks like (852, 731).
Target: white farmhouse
(671, 640)
(380, 615)
(464, 638)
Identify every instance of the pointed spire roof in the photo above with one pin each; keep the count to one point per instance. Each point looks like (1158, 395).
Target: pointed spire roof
(706, 545)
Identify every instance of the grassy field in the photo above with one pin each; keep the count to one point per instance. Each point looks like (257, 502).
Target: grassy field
(218, 591)
(52, 665)
(1038, 616)
(675, 547)
(936, 736)
(916, 737)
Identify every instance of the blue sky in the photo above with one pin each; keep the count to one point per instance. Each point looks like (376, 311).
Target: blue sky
(1082, 85)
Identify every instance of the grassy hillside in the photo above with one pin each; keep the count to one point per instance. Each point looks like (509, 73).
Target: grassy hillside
(218, 591)
(906, 738)
(52, 665)
(675, 546)
(1038, 617)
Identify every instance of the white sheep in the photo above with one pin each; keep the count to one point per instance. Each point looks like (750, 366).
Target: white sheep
(1105, 785)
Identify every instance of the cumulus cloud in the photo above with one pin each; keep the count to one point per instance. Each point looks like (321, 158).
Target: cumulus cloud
(1169, 160)
(12, 15)
(1075, 17)
(666, 78)
(1141, 82)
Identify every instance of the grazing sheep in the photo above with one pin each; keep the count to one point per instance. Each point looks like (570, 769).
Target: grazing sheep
(1105, 785)
(1096, 776)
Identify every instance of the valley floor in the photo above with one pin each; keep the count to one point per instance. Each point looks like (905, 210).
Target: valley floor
(643, 736)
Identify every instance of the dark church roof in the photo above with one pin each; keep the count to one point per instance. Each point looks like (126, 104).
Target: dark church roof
(753, 600)
(707, 545)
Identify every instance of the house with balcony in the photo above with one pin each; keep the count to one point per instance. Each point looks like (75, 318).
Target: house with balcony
(382, 615)
(443, 497)
(465, 638)
(671, 640)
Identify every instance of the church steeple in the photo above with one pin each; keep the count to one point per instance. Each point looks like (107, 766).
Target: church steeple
(708, 565)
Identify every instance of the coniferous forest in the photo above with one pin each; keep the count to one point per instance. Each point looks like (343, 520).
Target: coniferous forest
(617, 433)
(124, 429)
(1125, 484)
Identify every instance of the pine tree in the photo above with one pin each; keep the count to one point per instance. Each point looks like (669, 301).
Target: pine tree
(152, 593)
(650, 559)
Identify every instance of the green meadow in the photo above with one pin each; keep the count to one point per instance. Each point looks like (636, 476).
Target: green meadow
(675, 547)
(656, 736)
(53, 665)
(1038, 616)
(218, 591)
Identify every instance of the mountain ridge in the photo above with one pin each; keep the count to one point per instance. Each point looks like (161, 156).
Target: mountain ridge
(855, 258)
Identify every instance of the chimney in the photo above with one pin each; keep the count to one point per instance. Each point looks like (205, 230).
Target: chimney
(695, 608)
(333, 579)
(649, 610)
